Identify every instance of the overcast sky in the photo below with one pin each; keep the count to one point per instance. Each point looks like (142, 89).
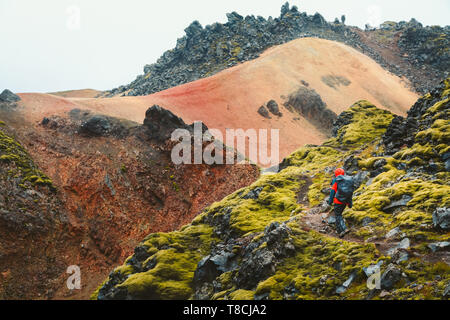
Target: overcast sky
(44, 48)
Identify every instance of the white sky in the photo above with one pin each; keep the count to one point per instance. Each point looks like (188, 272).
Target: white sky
(43, 50)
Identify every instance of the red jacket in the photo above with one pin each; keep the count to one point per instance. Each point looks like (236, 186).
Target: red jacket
(335, 200)
(334, 188)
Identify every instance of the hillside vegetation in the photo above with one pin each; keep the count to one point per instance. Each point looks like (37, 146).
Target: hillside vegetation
(272, 240)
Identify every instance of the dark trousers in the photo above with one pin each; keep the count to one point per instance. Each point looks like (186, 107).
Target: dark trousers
(340, 223)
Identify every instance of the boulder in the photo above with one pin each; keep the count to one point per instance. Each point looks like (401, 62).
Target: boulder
(373, 268)
(441, 218)
(359, 178)
(390, 277)
(194, 29)
(258, 262)
(272, 105)
(402, 202)
(96, 126)
(264, 112)
(402, 245)
(393, 233)
(439, 246)
(8, 97)
(351, 164)
(346, 284)
(366, 221)
(160, 123)
(210, 267)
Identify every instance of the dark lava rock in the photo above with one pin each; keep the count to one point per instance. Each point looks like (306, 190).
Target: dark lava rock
(92, 125)
(264, 112)
(446, 293)
(359, 178)
(272, 105)
(402, 202)
(308, 103)
(350, 164)
(390, 277)
(441, 218)
(366, 221)
(402, 132)
(96, 126)
(160, 123)
(342, 120)
(253, 194)
(8, 97)
(446, 160)
(259, 263)
(210, 267)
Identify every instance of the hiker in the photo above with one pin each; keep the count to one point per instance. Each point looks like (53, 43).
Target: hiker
(341, 195)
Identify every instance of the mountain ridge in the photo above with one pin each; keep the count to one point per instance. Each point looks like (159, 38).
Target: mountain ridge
(206, 51)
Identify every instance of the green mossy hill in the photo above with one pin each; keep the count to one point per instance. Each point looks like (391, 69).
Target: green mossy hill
(20, 165)
(361, 124)
(254, 244)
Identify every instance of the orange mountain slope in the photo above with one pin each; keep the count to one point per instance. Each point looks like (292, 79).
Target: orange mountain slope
(230, 99)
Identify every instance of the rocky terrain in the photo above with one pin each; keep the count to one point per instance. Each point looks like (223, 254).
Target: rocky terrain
(87, 178)
(108, 182)
(407, 49)
(274, 239)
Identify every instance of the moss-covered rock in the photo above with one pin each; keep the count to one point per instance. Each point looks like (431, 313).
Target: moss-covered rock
(22, 166)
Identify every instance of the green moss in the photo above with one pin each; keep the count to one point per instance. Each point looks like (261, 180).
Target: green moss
(313, 158)
(426, 196)
(320, 182)
(242, 295)
(276, 202)
(438, 106)
(170, 279)
(367, 123)
(368, 163)
(177, 255)
(425, 152)
(438, 133)
(13, 153)
(317, 256)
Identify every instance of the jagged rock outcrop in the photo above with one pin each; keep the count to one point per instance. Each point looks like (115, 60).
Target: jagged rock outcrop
(204, 51)
(8, 97)
(308, 103)
(441, 218)
(8, 100)
(403, 132)
(160, 123)
(264, 112)
(272, 106)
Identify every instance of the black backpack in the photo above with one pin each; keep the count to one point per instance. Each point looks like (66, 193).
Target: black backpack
(345, 188)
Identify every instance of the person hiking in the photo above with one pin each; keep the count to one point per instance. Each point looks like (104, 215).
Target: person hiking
(341, 195)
